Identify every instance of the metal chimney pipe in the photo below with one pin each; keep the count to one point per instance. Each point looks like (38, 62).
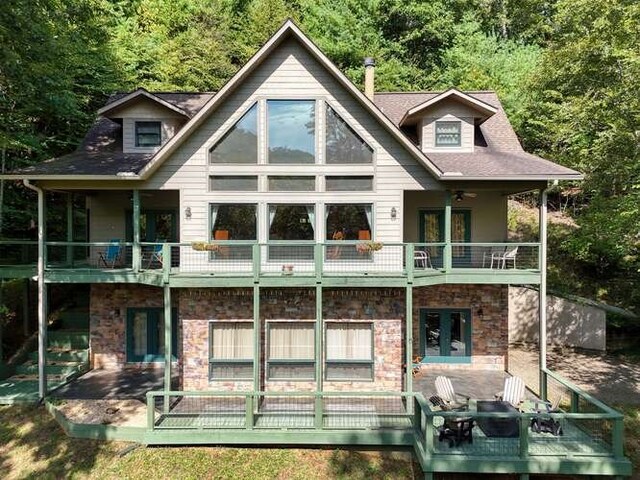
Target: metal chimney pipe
(369, 69)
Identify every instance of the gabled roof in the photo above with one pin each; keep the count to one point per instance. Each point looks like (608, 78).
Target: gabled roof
(134, 97)
(288, 30)
(484, 109)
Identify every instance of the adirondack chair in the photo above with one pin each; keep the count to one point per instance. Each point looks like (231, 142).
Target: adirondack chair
(111, 256)
(447, 393)
(513, 391)
(154, 257)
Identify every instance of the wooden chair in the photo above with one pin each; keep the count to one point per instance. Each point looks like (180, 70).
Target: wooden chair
(513, 392)
(454, 430)
(445, 391)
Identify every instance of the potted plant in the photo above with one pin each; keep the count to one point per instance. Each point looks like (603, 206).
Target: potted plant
(287, 269)
(367, 247)
(204, 247)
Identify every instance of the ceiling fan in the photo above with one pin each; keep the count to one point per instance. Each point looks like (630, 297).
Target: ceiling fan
(460, 195)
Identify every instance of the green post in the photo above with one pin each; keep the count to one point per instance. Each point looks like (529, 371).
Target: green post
(257, 336)
(166, 262)
(618, 437)
(409, 338)
(151, 411)
(417, 415)
(448, 251)
(168, 340)
(409, 262)
(524, 436)
(428, 435)
(255, 256)
(136, 231)
(69, 229)
(575, 402)
(318, 339)
(249, 411)
(318, 249)
(318, 420)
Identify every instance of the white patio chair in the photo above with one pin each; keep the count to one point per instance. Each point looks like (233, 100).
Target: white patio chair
(510, 254)
(513, 392)
(422, 259)
(493, 257)
(445, 391)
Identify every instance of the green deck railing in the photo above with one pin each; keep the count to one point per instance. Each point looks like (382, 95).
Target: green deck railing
(292, 258)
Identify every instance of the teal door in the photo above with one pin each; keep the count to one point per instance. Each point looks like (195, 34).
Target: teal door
(445, 335)
(431, 230)
(145, 334)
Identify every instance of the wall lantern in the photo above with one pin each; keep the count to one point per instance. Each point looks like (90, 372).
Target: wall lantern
(187, 213)
(394, 212)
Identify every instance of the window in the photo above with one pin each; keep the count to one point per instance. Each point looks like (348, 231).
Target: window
(291, 126)
(292, 184)
(233, 222)
(236, 183)
(145, 335)
(148, 134)
(348, 222)
(349, 184)
(291, 351)
(344, 145)
(448, 134)
(295, 223)
(240, 144)
(231, 350)
(349, 351)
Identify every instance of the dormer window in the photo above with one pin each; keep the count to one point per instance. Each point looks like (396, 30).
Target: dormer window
(448, 134)
(148, 134)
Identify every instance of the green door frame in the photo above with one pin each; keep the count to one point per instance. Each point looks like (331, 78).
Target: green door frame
(440, 212)
(445, 322)
(153, 316)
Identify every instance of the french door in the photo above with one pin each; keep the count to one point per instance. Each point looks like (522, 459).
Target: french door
(145, 334)
(445, 334)
(431, 230)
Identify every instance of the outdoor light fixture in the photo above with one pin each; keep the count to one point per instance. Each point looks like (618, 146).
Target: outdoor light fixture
(394, 212)
(187, 213)
(480, 313)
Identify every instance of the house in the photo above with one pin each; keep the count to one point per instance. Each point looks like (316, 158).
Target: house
(287, 246)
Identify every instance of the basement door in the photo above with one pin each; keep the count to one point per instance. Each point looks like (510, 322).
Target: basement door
(445, 335)
(145, 334)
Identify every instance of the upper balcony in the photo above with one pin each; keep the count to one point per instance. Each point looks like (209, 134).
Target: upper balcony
(284, 263)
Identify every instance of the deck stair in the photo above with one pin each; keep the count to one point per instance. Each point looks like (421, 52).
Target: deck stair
(67, 358)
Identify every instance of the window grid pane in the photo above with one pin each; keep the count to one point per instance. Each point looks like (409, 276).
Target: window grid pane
(448, 134)
(231, 341)
(291, 130)
(148, 134)
(239, 183)
(291, 341)
(240, 144)
(349, 184)
(344, 145)
(349, 341)
(292, 184)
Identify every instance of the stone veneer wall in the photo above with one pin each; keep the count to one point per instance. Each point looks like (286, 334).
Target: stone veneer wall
(108, 304)
(197, 308)
(383, 307)
(489, 334)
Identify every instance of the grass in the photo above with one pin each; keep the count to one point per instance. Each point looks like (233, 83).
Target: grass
(32, 445)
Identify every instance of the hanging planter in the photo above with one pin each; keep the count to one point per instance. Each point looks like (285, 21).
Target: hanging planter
(205, 247)
(367, 247)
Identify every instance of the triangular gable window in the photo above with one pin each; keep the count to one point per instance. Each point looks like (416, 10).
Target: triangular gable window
(240, 143)
(344, 145)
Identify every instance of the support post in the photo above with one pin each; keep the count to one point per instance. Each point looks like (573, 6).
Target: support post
(42, 301)
(69, 229)
(408, 318)
(542, 295)
(319, 420)
(257, 336)
(168, 344)
(136, 257)
(448, 251)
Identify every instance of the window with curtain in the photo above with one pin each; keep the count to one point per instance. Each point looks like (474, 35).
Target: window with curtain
(348, 222)
(231, 222)
(295, 223)
(349, 351)
(231, 350)
(344, 145)
(240, 144)
(448, 134)
(291, 351)
(291, 131)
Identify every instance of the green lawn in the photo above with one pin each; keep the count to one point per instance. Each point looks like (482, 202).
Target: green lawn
(32, 445)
